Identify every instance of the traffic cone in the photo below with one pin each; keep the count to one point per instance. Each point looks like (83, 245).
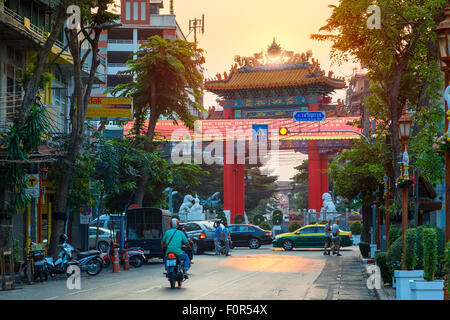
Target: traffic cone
(126, 263)
(116, 267)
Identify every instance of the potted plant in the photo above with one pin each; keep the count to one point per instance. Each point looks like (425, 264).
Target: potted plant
(409, 259)
(428, 288)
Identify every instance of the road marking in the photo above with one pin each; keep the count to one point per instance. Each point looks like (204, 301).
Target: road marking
(81, 291)
(229, 284)
(146, 290)
(212, 272)
(51, 298)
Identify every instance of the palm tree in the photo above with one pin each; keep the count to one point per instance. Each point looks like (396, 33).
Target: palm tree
(168, 81)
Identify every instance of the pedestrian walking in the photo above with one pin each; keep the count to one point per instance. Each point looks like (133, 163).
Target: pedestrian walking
(217, 232)
(336, 238)
(327, 238)
(226, 236)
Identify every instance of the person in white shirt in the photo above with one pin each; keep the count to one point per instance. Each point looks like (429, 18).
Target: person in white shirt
(336, 239)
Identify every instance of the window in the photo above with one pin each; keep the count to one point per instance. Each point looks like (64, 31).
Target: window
(135, 10)
(188, 227)
(93, 231)
(233, 228)
(127, 10)
(307, 230)
(143, 10)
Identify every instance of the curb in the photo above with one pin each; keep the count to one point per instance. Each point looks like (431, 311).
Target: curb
(380, 293)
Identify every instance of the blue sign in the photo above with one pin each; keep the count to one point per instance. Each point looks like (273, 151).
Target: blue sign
(260, 131)
(309, 116)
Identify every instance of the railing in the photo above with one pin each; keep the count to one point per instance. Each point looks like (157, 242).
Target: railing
(120, 41)
(117, 65)
(13, 15)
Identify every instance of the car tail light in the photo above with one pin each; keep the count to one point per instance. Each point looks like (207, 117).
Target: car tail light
(269, 234)
(171, 255)
(202, 236)
(349, 235)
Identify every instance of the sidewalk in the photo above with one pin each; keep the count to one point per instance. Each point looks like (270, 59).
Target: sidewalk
(342, 278)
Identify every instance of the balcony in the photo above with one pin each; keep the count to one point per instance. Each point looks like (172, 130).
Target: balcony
(14, 27)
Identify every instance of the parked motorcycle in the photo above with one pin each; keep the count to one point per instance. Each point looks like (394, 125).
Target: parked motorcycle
(136, 256)
(40, 267)
(88, 261)
(174, 270)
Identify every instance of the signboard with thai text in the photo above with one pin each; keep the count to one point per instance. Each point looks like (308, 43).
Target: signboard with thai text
(106, 108)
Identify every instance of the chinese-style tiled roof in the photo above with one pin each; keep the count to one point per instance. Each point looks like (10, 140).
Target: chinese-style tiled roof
(273, 77)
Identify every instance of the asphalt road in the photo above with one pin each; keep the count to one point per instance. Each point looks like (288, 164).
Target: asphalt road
(247, 274)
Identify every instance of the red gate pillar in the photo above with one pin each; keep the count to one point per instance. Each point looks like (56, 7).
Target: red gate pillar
(324, 174)
(234, 189)
(314, 177)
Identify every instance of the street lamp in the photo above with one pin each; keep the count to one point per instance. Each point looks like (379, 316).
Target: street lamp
(404, 128)
(442, 33)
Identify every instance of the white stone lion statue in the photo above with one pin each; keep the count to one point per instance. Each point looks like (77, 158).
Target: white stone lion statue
(328, 204)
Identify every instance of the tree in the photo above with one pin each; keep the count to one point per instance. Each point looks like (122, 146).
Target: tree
(357, 174)
(258, 187)
(300, 186)
(95, 14)
(168, 81)
(400, 56)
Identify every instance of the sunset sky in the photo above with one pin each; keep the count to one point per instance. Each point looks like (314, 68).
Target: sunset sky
(244, 27)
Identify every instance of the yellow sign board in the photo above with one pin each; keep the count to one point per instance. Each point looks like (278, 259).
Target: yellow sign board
(105, 108)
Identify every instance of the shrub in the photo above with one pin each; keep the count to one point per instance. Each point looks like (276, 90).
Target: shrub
(429, 253)
(364, 248)
(395, 254)
(277, 219)
(277, 212)
(239, 219)
(294, 225)
(409, 257)
(381, 259)
(440, 246)
(447, 266)
(356, 228)
(258, 219)
(265, 226)
(394, 234)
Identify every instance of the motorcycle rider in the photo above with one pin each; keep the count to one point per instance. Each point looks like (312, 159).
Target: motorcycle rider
(173, 241)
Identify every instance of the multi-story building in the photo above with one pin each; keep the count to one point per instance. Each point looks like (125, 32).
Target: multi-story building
(140, 20)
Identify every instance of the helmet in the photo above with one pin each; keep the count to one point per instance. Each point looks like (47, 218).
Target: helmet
(63, 238)
(174, 223)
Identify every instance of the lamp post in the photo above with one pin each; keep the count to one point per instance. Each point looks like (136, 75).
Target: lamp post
(442, 33)
(404, 126)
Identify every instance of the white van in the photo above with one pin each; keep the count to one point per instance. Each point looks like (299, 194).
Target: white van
(108, 221)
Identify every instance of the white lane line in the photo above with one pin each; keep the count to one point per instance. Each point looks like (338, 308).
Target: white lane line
(147, 290)
(228, 284)
(81, 291)
(51, 298)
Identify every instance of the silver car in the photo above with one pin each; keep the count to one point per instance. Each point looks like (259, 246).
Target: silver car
(104, 238)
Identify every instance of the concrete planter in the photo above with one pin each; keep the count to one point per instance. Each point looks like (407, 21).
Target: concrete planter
(427, 290)
(402, 277)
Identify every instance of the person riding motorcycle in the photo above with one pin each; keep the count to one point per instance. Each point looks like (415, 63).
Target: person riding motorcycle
(63, 238)
(173, 241)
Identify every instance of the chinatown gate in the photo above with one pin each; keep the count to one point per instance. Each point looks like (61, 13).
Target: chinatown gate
(267, 89)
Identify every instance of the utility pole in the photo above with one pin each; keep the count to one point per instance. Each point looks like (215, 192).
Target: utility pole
(197, 25)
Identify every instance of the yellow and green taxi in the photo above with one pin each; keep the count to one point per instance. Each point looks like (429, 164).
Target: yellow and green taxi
(309, 236)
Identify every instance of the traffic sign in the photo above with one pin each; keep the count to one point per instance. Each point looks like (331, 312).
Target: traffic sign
(85, 214)
(33, 185)
(309, 116)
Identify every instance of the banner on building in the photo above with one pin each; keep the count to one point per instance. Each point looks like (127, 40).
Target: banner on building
(106, 108)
